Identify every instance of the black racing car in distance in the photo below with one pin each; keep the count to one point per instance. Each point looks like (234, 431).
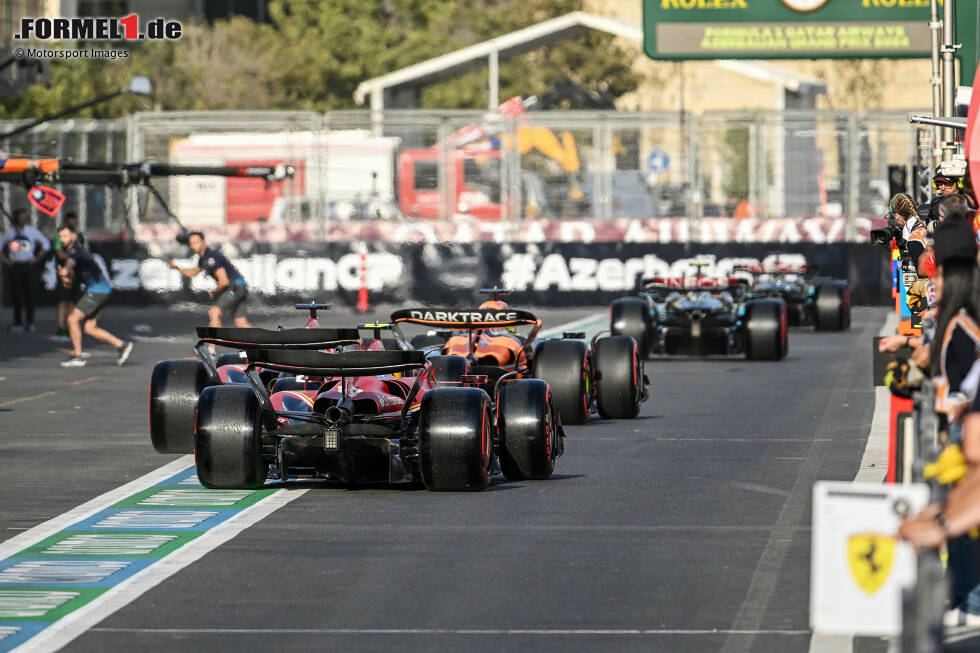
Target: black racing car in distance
(702, 316)
(811, 300)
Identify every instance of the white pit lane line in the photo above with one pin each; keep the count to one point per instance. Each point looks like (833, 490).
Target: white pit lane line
(82, 619)
(77, 622)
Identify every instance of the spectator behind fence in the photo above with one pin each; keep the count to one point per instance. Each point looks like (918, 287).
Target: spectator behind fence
(952, 361)
(949, 208)
(944, 185)
(21, 248)
(954, 347)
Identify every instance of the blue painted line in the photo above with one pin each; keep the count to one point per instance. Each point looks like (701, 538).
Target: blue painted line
(15, 633)
(67, 572)
(186, 478)
(182, 520)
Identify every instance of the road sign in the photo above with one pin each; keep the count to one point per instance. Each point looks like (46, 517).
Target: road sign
(858, 566)
(658, 161)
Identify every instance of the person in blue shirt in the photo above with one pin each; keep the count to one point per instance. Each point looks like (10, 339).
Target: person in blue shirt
(229, 297)
(22, 247)
(80, 262)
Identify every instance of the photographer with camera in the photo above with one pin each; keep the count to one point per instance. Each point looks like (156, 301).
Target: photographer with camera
(914, 236)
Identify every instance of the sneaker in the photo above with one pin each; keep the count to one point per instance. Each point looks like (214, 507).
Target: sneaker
(16, 328)
(86, 355)
(124, 352)
(74, 361)
(958, 617)
(31, 328)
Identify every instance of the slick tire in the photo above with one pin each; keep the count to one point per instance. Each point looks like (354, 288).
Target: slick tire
(630, 316)
(455, 439)
(228, 445)
(832, 306)
(175, 387)
(766, 337)
(567, 367)
(527, 430)
(449, 368)
(618, 377)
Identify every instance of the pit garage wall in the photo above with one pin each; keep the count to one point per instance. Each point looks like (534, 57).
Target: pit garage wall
(541, 274)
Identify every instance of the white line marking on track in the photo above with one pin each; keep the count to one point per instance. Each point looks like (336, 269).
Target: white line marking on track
(874, 467)
(449, 631)
(89, 508)
(593, 319)
(874, 462)
(795, 509)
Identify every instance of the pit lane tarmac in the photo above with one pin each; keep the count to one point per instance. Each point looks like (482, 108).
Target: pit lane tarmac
(686, 529)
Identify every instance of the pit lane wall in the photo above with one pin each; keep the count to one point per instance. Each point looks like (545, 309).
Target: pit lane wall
(549, 263)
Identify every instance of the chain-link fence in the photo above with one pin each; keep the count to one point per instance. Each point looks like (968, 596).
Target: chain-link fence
(442, 165)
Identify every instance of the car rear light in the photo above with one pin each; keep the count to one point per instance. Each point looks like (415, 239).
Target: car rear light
(331, 439)
(470, 380)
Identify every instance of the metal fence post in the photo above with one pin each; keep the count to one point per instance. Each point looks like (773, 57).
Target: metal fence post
(695, 129)
(511, 172)
(445, 171)
(853, 176)
(135, 151)
(109, 196)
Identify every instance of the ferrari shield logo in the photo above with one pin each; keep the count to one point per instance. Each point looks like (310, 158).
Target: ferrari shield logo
(870, 557)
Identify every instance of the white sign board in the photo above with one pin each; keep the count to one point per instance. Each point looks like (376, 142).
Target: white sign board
(858, 566)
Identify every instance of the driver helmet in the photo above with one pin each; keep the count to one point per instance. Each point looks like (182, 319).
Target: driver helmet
(497, 305)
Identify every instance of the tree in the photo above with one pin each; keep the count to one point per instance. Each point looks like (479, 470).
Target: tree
(314, 53)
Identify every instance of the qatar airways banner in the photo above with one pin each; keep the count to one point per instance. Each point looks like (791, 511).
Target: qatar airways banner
(468, 230)
(450, 274)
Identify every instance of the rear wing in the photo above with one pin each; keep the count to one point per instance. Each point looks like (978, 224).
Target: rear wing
(466, 318)
(253, 338)
(346, 364)
(692, 284)
(773, 268)
(246, 338)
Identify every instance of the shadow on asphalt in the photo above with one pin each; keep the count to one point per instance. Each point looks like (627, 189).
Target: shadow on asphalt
(565, 477)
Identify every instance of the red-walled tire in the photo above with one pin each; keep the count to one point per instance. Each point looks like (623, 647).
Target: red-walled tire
(175, 387)
(567, 367)
(228, 443)
(618, 377)
(526, 430)
(455, 439)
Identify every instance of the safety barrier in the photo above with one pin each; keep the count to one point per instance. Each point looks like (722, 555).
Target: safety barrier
(923, 604)
(542, 274)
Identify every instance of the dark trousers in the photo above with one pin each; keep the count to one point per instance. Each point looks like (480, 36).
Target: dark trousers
(21, 277)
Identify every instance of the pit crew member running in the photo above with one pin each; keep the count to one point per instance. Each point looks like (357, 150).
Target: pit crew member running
(90, 304)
